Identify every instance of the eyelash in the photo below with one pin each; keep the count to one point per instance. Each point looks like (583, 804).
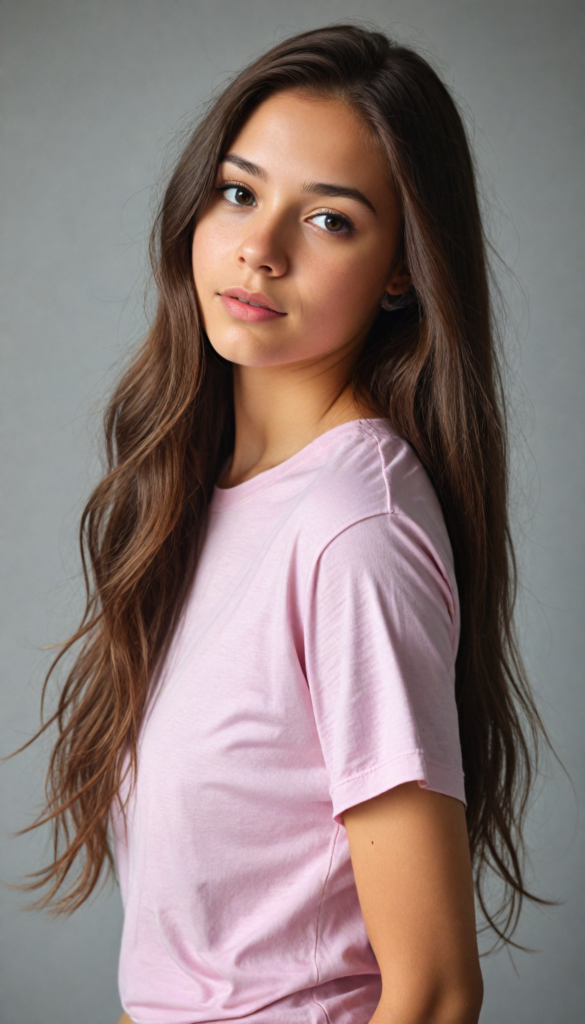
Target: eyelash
(348, 226)
(233, 184)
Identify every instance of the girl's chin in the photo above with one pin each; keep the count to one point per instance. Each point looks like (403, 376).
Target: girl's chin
(255, 353)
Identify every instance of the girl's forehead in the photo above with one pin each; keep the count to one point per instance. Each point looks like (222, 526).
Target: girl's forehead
(291, 116)
(298, 134)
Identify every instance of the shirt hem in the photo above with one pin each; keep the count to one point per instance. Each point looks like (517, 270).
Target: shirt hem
(410, 766)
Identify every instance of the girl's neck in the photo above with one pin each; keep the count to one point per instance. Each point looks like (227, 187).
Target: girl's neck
(277, 413)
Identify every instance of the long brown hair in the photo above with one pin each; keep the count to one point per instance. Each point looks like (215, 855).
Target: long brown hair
(432, 368)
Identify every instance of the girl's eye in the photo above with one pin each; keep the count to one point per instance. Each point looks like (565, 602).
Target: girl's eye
(333, 223)
(239, 195)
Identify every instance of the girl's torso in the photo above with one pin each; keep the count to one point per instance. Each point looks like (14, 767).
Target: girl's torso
(313, 668)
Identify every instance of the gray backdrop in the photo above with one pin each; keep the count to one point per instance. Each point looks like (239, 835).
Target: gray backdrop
(92, 94)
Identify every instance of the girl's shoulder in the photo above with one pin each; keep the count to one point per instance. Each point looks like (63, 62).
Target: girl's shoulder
(373, 537)
(368, 470)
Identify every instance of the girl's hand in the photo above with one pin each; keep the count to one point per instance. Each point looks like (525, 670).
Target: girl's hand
(410, 857)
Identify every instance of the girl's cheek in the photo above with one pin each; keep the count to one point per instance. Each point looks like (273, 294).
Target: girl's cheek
(209, 237)
(337, 285)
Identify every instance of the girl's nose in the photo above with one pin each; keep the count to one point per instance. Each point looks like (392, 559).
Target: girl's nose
(263, 248)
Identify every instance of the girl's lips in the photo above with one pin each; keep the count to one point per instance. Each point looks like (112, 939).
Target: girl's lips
(244, 311)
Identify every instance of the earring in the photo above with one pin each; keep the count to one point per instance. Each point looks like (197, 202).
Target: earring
(391, 302)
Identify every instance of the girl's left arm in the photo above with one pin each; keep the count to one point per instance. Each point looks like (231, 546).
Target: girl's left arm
(412, 868)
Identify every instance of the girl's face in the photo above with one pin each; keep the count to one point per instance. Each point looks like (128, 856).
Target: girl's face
(296, 246)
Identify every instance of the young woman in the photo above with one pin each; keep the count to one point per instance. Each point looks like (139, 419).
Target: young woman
(297, 710)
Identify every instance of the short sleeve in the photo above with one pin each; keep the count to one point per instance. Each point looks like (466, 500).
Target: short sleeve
(381, 636)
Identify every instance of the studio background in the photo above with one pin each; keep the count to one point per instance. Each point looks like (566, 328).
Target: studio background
(93, 93)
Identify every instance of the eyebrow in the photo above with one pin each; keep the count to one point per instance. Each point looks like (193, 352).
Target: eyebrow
(321, 188)
(318, 188)
(245, 165)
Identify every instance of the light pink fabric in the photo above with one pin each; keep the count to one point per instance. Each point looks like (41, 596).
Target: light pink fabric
(313, 669)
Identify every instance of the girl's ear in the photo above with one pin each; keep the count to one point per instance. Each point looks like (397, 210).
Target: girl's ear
(400, 280)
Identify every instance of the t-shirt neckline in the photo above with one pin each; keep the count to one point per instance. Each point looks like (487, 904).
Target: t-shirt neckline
(226, 497)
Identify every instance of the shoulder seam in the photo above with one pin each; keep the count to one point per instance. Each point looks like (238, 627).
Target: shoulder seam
(329, 542)
(393, 515)
(374, 437)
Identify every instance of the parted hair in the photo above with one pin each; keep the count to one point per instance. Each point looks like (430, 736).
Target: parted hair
(434, 368)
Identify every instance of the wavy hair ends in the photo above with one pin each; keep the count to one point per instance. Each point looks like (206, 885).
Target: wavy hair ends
(432, 368)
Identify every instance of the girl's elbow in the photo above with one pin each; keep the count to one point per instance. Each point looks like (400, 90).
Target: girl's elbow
(459, 1006)
(454, 1003)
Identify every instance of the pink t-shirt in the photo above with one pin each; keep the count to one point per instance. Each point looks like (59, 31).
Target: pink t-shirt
(313, 668)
